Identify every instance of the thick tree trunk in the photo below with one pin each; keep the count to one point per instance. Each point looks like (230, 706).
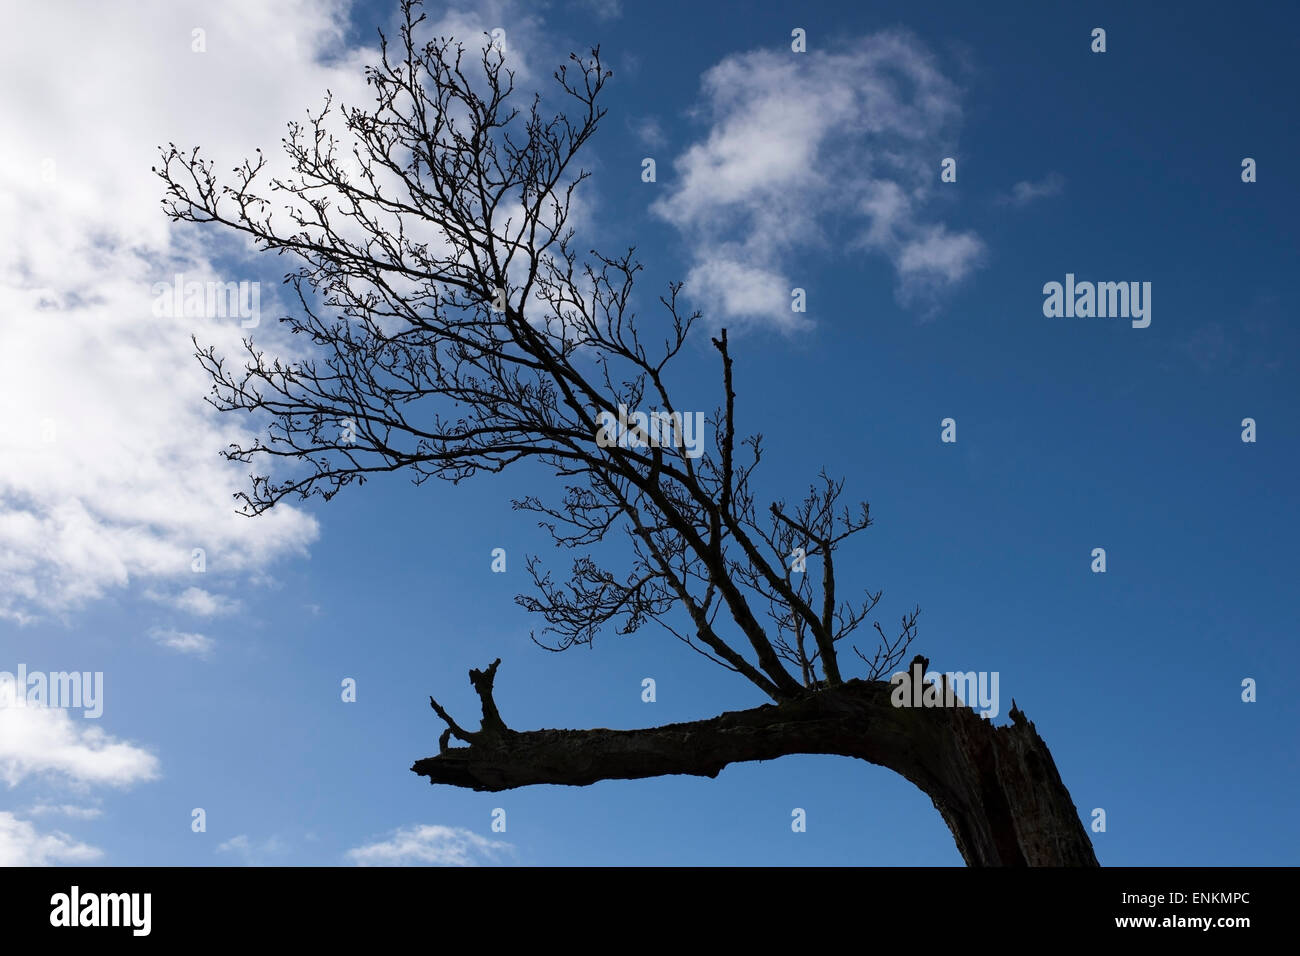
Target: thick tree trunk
(997, 787)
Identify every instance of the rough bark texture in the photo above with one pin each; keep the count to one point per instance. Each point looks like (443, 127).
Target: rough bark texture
(996, 787)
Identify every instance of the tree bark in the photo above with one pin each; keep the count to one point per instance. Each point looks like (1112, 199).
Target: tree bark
(997, 788)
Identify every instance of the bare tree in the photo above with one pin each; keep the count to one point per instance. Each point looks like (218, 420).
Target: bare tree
(455, 329)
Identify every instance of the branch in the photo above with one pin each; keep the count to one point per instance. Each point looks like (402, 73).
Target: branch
(492, 729)
(984, 780)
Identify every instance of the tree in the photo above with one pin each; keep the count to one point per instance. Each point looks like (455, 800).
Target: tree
(454, 330)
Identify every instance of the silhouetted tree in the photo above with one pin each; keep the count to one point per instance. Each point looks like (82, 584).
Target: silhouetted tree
(454, 329)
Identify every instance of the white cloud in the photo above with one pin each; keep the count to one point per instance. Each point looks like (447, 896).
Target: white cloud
(814, 151)
(22, 845)
(429, 845)
(110, 473)
(649, 132)
(65, 809)
(49, 741)
(741, 288)
(183, 641)
(251, 852)
(1026, 191)
(109, 465)
(934, 259)
(236, 843)
(109, 458)
(197, 601)
(468, 22)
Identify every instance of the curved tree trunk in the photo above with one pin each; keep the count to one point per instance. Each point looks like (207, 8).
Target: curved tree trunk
(997, 787)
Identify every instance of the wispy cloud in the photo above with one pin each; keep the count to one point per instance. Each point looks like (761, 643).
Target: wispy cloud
(183, 641)
(808, 152)
(197, 601)
(602, 9)
(252, 852)
(649, 132)
(429, 845)
(1026, 191)
(66, 810)
(1248, 342)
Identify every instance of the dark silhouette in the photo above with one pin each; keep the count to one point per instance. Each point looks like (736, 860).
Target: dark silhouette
(457, 330)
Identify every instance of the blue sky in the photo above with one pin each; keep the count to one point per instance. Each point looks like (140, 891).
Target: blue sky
(1072, 434)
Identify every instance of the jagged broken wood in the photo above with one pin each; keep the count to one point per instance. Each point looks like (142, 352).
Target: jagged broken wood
(997, 788)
